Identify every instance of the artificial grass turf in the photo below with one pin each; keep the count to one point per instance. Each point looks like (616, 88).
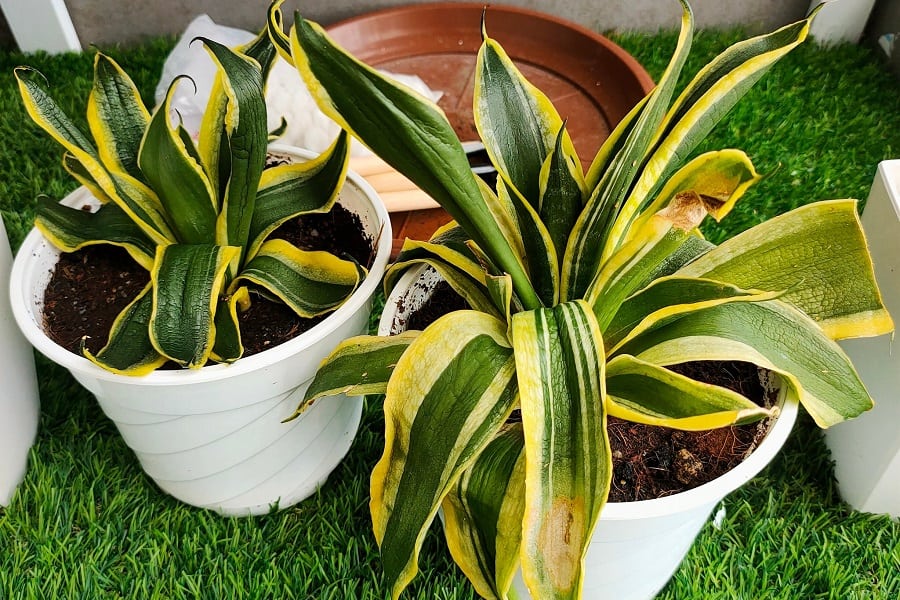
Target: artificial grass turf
(87, 523)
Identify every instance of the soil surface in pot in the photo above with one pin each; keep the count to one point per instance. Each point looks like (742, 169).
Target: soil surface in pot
(648, 461)
(90, 287)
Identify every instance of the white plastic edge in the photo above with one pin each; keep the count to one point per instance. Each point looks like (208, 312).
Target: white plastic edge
(41, 25)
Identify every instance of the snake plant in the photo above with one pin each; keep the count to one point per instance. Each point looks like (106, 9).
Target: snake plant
(584, 287)
(199, 216)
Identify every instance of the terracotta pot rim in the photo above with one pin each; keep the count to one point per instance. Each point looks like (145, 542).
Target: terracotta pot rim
(643, 77)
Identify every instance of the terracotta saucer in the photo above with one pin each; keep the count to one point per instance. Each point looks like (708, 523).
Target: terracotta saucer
(592, 81)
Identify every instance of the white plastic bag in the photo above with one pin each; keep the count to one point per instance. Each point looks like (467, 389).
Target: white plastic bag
(286, 94)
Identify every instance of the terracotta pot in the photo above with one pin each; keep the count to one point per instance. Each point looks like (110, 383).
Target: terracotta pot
(214, 437)
(636, 546)
(592, 81)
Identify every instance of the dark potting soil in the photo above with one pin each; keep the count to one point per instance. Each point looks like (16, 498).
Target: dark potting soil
(649, 461)
(445, 301)
(90, 287)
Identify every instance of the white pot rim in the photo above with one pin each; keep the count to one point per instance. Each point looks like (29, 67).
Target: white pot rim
(708, 493)
(35, 242)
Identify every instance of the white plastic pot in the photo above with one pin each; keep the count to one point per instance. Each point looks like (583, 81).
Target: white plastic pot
(636, 546)
(866, 450)
(19, 402)
(215, 437)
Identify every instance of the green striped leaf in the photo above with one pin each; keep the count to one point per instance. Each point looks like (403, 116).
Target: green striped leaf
(818, 255)
(216, 127)
(539, 254)
(116, 116)
(773, 335)
(135, 198)
(71, 229)
(483, 514)
(311, 283)
(275, 27)
(646, 393)
(129, 351)
(459, 373)
(583, 252)
(178, 179)
(669, 298)
(358, 366)
(74, 168)
(560, 368)
(287, 191)
(612, 145)
(713, 92)
(500, 291)
(262, 50)
(242, 83)
(516, 121)
(44, 111)
(659, 248)
(563, 193)
(228, 347)
(183, 331)
(420, 142)
(506, 216)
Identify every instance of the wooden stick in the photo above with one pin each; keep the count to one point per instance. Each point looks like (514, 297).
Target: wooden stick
(390, 181)
(407, 200)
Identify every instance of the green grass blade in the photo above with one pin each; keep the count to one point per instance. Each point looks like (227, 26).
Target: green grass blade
(460, 373)
(560, 368)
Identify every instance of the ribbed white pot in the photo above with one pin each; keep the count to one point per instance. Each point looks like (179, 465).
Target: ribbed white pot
(19, 402)
(215, 437)
(636, 546)
(866, 450)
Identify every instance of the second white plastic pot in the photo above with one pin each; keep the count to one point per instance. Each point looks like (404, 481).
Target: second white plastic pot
(636, 546)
